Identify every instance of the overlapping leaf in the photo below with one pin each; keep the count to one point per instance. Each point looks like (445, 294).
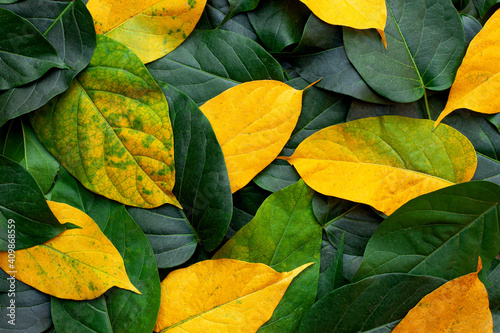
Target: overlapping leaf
(478, 78)
(221, 295)
(150, 28)
(24, 213)
(439, 234)
(56, 20)
(111, 129)
(253, 122)
(77, 264)
(459, 306)
(425, 43)
(384, 161)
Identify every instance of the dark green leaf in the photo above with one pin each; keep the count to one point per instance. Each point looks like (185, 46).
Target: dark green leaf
(201, 180)
(169, 233)
(19, 143)
(279, 23)
(22, 203)
(7, 1)
(239, 6)
(471, 27)
(68, 25)
(126, 311)
(369, 305)
(319, 35)
(484, 5)
(360, 109)
(25, 54)
(493, 285)
(276, 176)
(425, 45)
(460, 4)
(31, 312)
(320, 109)
(487, 169)
(214, 14)
(209, 62)
(336, 73)
(439, 234)
(292, 239)
(332, 277)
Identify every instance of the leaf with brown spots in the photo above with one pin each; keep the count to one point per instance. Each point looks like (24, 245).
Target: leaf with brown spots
(77, 264)
(111, 129)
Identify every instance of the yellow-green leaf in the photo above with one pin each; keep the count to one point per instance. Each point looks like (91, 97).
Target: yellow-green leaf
(384, 161)
(77, 264)
(150, 28)
(459, 306)
(252, 122)
(477, 82)
(111, 129)
(222, 295)
(358, 14)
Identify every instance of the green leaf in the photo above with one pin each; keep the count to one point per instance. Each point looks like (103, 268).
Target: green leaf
(293, 239)
(26, 55)
(202, 182)
(8, 1)
(276, 176)
(125, 310)
(22, 201)
(239, 6)
(360, 109)
(487, 169)
(375, 304)
(111, 129)
(332, 278)
(337, 74)
(460, 4)
(493, 285)
(279, 23)
(318, 34)
(19, 143)
(57, 20)
(320, 109)
(425, 45)
(484, 5)
(439, 234)
(169, 232)
(471, 27)
(209, 62)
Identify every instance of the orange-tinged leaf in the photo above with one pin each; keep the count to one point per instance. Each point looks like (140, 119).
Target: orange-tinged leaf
(150, 28)
(252, 122)
(477, 82)
(459, 306)
(77, 264)
(384, 161)
(358, 14)
(222, 295)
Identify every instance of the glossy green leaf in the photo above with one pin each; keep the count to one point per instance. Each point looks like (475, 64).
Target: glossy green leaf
(216, 11)
(279, 23)
(471, 27)
(318, 34)
(332, 278)
(26, 55)
(169, 232)
(294, 238)
(439, 234)
(320, 109)
(32, 313)
(375, 304)
(111, 129)
(125, 311)
(22, 203)
(337, 74)
(19, 143)
(209, 62)
(421, 53)
(202, 182)
(56, 20)
(276, 176)
(484, 5)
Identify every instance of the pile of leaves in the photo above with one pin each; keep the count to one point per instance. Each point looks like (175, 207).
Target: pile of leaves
(245, 165)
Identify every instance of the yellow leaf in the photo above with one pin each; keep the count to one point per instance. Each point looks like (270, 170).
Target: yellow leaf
(477, 82)
(459, 306)
(358, 14)
(222, 295)
(150, 28)
(77, 264)
(384, 161)
(252, 122)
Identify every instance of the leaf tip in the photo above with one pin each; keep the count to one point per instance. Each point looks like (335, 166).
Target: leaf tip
(382, 35)
(312, 84)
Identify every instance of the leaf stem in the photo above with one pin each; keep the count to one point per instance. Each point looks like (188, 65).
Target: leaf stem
(427, 105)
